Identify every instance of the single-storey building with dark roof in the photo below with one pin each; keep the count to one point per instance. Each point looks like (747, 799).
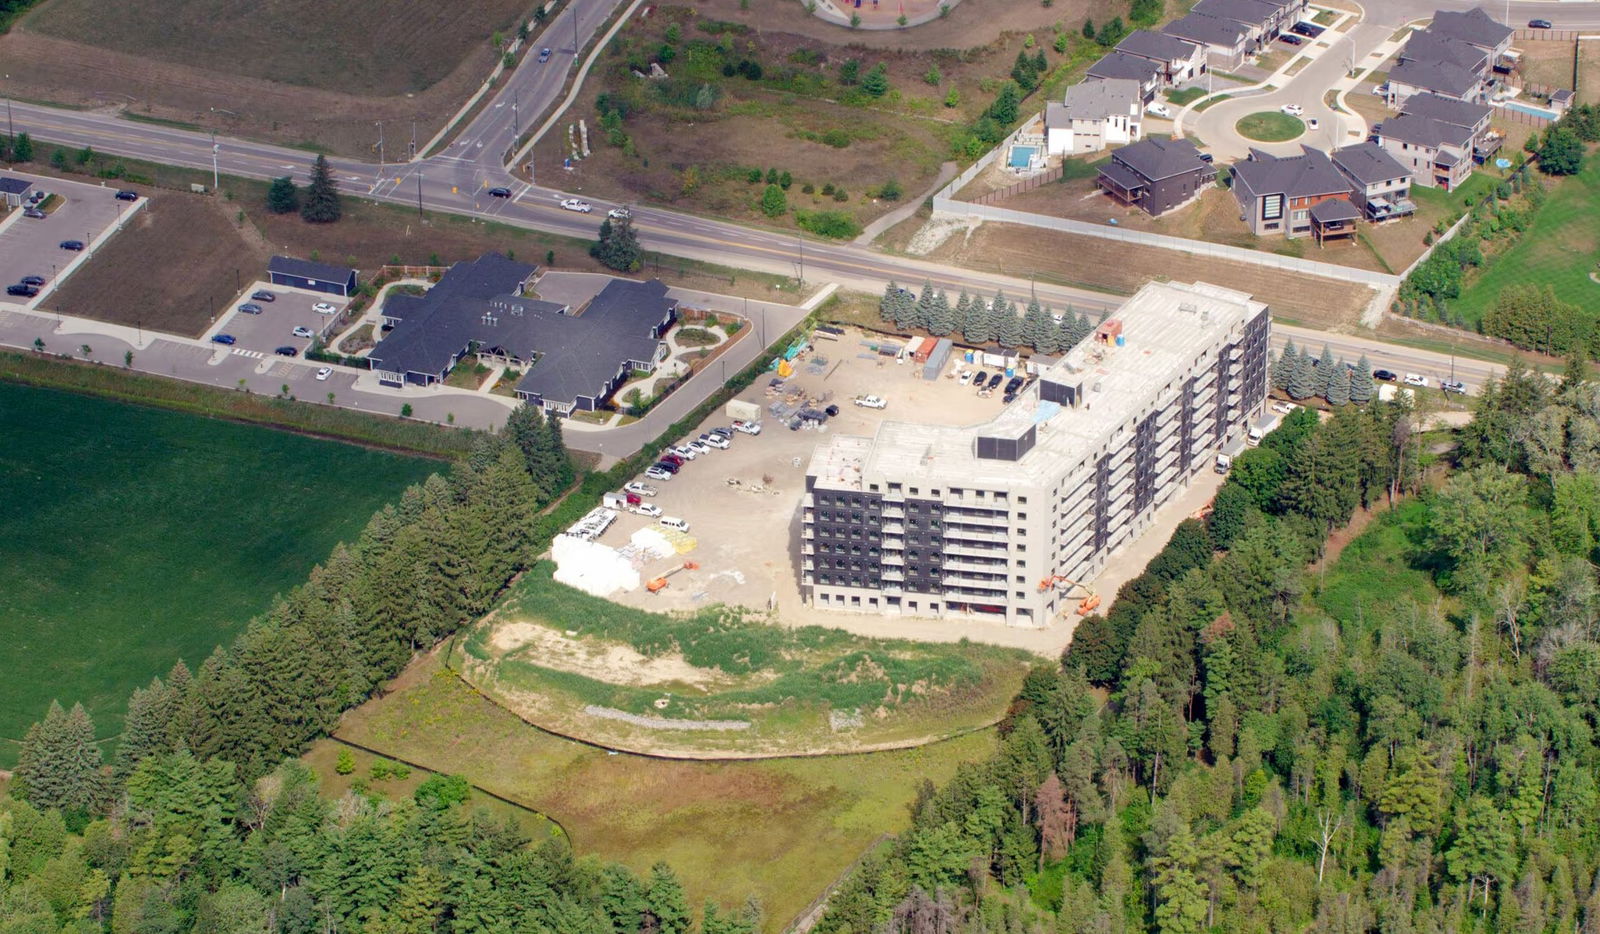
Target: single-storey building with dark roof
(13, 190)
(295, 273)
(1156, 174)
(576, 357)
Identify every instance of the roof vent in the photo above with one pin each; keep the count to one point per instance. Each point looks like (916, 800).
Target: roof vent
(1190, 307)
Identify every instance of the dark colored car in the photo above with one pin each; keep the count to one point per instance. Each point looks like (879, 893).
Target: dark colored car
(1008, 398)
(27, 291)
(287, 351)
(1384, 375)
(724, 432)
(668, 466)
(73, 245)
(34, 213)
(499, 192)
(126, 195)
(1013, 384)
(1540, 24)
(250, 308)
(32, 280)
(1309, 30)
(996, 380)
(544, 54)
(674, 460)
(1206, 157)
(1290, 38)
(832, 410)
(228, 339)
(262, 295)
(981, 380)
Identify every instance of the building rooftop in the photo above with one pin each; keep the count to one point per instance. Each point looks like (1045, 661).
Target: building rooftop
(1334, 209)
(1310, 173)
(1123, 65)
(1245, 12)
(456, 311)
(579, 354)
(1368, 163)
(1155, 46)
(1157, 157)
(14, 186)
(1446, 109)
(1206, 29)
(1443, 77)
(1095, 100)
(1425, 132)
(1475, 26)
(1428, 46)
(309, 269)
(1165, 327)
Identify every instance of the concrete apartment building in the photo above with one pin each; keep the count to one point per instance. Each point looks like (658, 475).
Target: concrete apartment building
(999, 520)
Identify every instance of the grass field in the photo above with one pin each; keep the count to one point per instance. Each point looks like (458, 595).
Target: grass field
(778, 829)
(1559, 249)
(549, 652)
(1380, 564)
(131, 537)
(1269, 126)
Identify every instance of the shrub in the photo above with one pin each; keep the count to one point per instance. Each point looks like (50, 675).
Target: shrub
(891, 190)
(836, 138)
(346, 763)
(441, 792)
(833, 224)
(807, 188)
(839, 194)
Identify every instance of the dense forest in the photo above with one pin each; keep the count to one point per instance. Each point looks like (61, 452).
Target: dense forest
(1247, 742)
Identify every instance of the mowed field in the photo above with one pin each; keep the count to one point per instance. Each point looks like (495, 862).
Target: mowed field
(777, 829)
(131, 537)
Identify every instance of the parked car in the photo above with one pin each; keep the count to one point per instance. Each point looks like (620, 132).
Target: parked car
(668, 466)
(642, 489)
(544, 54)
(287, 351)
(619, 213)
(966, 375)
(646, 509)
(685, 452)
(722, 432)
(1013, 384)
(1290, 38)
(1309, 30)
(831, 411)
(749, 428)
(250, 308)
(1293, 110)
(324, 372)
(1158, 109)
(73, 245)
(657, 474)
(1413, 379)
(38, 196)
(1385, 375)
(325, 308)
(672, 522)
(1205, 157)
(1456, 386)
(1540, 24)
(303, 331)
(872, 402)
(227, 339)
(576, 204)
(32, 280)
(675, 460)
(715, 441)
(34, 213)
(698, 446)
(995, 381)
(263, 295)
(126, 195)
(26, 291)
(499, 192)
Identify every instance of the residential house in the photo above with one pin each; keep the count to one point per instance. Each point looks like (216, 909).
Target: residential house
(1156, 174)
(1094, 115)
(14, 190)
(1142, 71)
(1262, 19)
(1180, 60)
(1380, 185)
(1477, 28)
(1456, 56)
(1437, 139)
(1276, 193)
(1225, 43)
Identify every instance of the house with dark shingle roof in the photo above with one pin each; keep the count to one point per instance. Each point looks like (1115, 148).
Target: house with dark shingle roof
(1119, 65)
(1261, 19)
(13, 190)
(1156, 175)
(1179, 59)
(1225, 42)
(577, 358)
(1276, 193)
(1380, 185)
(1437, 139)
(1456, 56)
(1476, 27)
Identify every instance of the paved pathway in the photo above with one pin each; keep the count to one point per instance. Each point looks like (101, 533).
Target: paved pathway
(947, 171)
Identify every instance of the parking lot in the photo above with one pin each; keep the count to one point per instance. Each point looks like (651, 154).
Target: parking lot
(32, 247)
(742, 504)
(258, 335)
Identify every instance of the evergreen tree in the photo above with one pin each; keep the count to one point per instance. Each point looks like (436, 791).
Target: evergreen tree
(1303, 378)
(282, 196)
(664, 901)
(1283, 367)
(144, 732)
(922, 311)
(942, 319)
(890, 301)
(58, 764)
(1339, 386)
(1361, 390)
(1323, 374)
(979, 329)
(773, 201)
(321, 205)
(1009, 327)
(1036, 326)
(618, 246)
(22, 148)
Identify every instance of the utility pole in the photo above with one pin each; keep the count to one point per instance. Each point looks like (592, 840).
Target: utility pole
(573, 9)
(516, 96)
(380, 150)
(216, 179)
(419, 194)
(413, 139)
(802, 241)
(11, 130)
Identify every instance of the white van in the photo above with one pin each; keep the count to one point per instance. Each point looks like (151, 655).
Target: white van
(673, 522)
(1254, 437)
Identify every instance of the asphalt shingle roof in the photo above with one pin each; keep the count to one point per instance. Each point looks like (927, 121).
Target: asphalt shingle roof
(1247, 12)
(14, 186)
(1425, 131)
(1157, 157)
(1334, 209)
(1475, 26)
(1123, 65)
(1310, 173)
(457, 311)
(1445, 109)
(1369, 163)
(1443, 77)
(1156, 46)
(1433, 47)
(1124, 177)
(1094, 100)
(309, 269)
(588, 350)
(1208, 30)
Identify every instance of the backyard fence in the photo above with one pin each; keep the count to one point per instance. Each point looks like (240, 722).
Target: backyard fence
(1549, 35)
(412, 272)
(1512, 115)
(1027, 184)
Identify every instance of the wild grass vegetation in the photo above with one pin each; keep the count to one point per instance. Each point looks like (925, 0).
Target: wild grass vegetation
(132, 536)
(728, 665)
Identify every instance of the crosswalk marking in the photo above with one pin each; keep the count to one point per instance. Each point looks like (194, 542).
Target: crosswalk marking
(252, 354)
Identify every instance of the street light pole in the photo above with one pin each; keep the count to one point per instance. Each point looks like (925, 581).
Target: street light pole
(515, 97)
(216, 179)
(573, 9)
(419, 194)
(380, 149)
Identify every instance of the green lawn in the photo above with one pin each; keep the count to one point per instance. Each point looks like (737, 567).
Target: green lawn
(1186, 95)
(131, 536)
(1380, 568)
(1560, 249)
(1471, 191)
(1270, 126)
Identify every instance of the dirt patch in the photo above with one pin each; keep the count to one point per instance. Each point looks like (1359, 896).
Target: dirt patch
(609, 662)
(1123, 267)
(970, 23)
(289, 71)
(170, 269)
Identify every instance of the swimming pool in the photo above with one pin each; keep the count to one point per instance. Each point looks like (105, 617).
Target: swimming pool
(1530, 110)
(1022, 156)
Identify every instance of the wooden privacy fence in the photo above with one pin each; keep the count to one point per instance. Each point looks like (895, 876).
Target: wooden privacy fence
(1027, 184)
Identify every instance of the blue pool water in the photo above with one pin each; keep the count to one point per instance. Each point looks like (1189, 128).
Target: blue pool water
(1022, 156)
(1530, 110)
